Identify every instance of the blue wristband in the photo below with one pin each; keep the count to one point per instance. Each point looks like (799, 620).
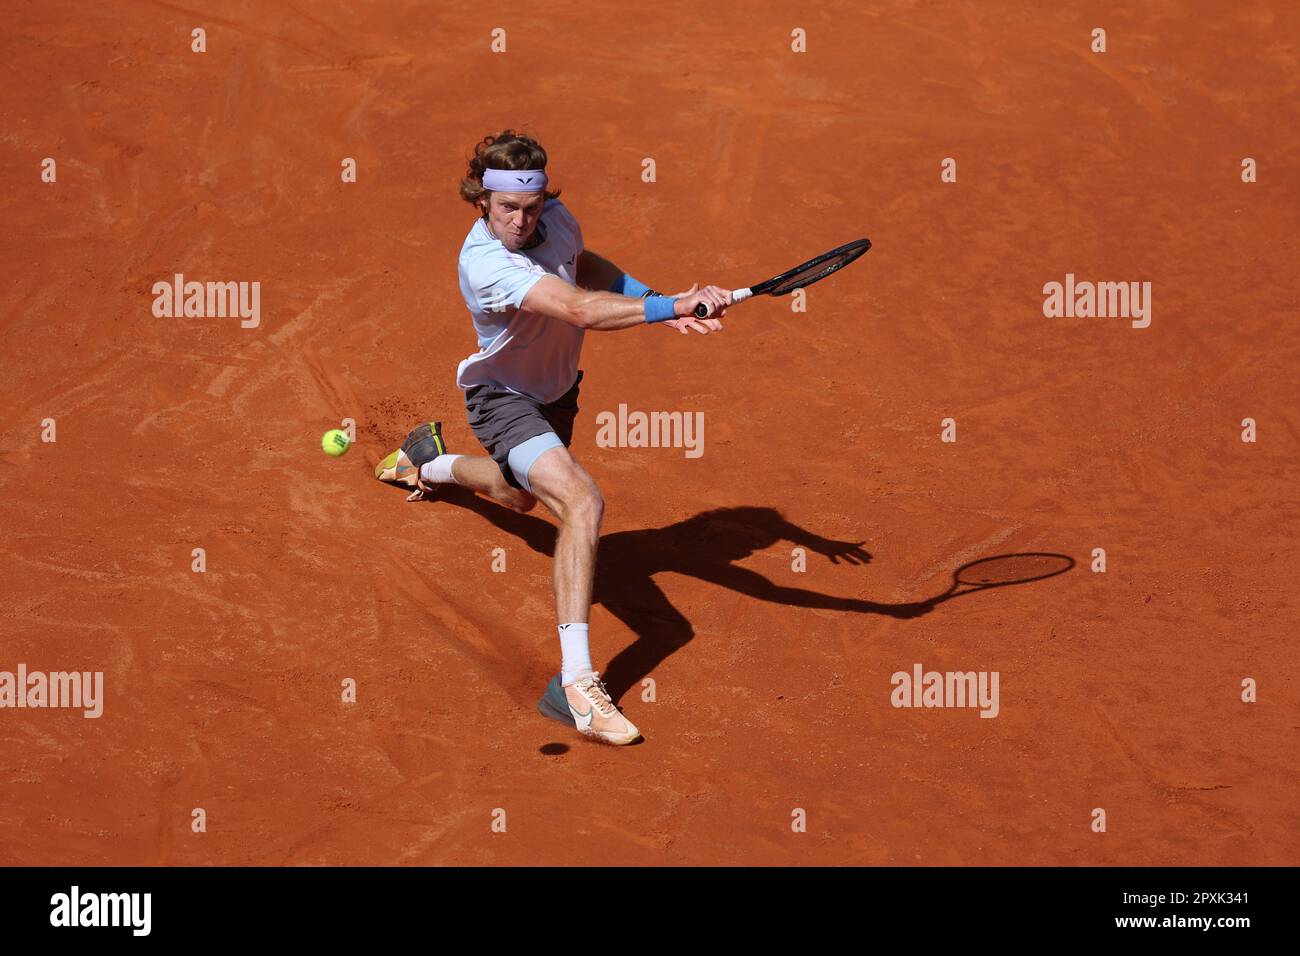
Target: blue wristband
(659, 308)
(626, 285)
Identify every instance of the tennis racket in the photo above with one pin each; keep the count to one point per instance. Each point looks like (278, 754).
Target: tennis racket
(814, 270)
(1004, 569)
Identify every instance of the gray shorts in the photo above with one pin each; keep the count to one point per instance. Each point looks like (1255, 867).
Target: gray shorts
(503, 421)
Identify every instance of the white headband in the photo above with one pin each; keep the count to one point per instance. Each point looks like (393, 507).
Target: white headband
(514, 180)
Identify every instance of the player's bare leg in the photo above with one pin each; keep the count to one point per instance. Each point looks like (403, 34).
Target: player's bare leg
(566, 488)
(480, 473)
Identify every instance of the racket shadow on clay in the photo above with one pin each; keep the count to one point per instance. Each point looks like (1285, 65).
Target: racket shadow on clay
(999, 571)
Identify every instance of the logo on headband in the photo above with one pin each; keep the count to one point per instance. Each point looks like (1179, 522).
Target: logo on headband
(517, 180)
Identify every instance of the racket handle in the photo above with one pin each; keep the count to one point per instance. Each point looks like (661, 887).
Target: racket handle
(737, 295)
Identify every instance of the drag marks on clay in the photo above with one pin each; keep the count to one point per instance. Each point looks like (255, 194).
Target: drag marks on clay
(98, 386)
(177, 801)
(356, 64)
(113, 573)
(242, 378)
(320, 24)
(910, 589)
(1153, 777)
(352, 824)
(1195, 797)
(334, 387)
(475, 638)
(419, 800)
(1139, 91)
(207, 18)
(739, 160)
(992, 95)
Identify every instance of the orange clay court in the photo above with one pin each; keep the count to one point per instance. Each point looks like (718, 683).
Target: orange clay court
(1120, 691)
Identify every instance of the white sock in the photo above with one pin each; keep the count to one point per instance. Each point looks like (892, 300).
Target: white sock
(438, 471)
(577, 655)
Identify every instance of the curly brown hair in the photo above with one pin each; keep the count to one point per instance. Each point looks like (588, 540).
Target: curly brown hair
(505, 150)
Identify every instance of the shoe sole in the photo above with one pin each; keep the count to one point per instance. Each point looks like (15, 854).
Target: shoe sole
(547, 709)
(391, 461)
(390, 464)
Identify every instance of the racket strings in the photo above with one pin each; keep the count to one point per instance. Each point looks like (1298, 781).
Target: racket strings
(812, 273)
(1013, 569)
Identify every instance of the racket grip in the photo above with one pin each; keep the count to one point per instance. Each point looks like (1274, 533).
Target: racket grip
(737, 295)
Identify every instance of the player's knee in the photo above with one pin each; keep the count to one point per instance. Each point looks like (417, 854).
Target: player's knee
(587, 508)
(523, 502)
(568, 491)
(581, 503)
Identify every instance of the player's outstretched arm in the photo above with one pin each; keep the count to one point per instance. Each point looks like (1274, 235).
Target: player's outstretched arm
(609, 312)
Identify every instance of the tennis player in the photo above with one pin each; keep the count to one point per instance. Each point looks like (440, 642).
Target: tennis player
(533, 291)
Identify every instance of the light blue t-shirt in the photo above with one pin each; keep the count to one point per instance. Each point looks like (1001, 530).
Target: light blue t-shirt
(522, 351)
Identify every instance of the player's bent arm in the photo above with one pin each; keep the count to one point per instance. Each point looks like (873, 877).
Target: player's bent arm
(595, 272)
(587, 309)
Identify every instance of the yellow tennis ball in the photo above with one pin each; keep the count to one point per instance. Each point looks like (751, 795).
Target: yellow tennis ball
(334, 442)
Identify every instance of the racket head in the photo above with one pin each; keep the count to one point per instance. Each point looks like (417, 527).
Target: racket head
(814, 270)
(1003, 569)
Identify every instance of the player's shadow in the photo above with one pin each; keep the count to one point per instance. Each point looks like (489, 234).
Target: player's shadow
(704, 546)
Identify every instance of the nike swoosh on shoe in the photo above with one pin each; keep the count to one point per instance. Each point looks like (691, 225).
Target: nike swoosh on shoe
(582, 721)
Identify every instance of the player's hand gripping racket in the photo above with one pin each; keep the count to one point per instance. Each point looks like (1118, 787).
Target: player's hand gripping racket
(814, 270)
